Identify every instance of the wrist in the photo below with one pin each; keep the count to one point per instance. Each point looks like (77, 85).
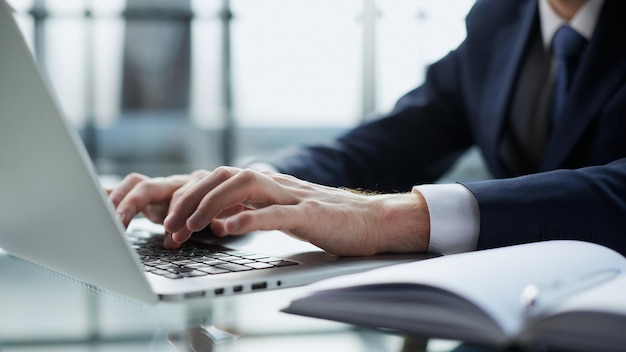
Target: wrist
(406, 223)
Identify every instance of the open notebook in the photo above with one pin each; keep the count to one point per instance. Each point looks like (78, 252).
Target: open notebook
(54, 213)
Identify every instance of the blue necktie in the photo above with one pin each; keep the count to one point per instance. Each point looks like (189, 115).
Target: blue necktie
(566, 47)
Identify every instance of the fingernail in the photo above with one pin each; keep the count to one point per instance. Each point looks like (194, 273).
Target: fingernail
(168, 242)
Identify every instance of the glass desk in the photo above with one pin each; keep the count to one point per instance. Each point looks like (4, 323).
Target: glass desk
(42, 311)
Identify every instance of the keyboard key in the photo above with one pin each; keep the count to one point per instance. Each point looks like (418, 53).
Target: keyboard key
(180, 269)
(172, 276)
(283, 263)
(194, 273)
(230, 259)
(213, 262)
(197, 265)
(258, 265)
(233, 267)
(160, 272)
(214, 270)
(154, 262)
(184, 262)
(254, 256)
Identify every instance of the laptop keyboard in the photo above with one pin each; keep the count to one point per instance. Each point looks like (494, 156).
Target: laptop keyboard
(193, 260)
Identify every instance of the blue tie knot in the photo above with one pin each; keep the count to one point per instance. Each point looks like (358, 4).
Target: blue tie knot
(567, 42)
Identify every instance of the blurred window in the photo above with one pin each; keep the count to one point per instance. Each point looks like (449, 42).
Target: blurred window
(165, 86)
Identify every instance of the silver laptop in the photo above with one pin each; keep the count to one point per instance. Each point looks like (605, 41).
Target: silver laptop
(54, 213)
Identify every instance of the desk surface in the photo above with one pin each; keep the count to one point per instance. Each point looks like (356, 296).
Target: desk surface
(42, 311)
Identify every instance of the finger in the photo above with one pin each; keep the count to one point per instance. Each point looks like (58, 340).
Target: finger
(156, 212)
(126, 185)
(275, 217)
(231, 211)
(169, 243)
(175, 240)
(193, 179)
(182, 236)
(151, 191)
(217, 228)
(188, 201)
(245, 187)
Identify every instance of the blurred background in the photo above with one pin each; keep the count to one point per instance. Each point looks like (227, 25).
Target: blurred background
(169, 86)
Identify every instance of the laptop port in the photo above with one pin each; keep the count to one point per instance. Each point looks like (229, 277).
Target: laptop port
(259, 285)
(194, 294)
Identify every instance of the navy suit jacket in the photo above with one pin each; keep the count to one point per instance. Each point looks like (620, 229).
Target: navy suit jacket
(580, 189)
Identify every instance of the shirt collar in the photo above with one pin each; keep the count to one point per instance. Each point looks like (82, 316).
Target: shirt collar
(584, 22)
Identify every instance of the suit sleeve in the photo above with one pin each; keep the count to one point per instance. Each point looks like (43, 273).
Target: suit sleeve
(587, 204)
(415, 143)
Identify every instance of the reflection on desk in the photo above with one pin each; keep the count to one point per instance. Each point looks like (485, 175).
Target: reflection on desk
(43, 311)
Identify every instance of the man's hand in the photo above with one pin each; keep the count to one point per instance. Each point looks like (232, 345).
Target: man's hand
(237, 201)
(152, 197)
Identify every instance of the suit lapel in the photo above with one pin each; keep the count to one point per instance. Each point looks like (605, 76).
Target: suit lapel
(504, 67)
(601, 69)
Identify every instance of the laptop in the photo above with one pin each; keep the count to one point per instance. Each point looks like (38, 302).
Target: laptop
(54, 212)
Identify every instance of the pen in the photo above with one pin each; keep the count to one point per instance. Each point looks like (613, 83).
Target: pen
(536, 296)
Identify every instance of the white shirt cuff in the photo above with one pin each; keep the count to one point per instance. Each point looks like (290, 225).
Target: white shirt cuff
(454, 218)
